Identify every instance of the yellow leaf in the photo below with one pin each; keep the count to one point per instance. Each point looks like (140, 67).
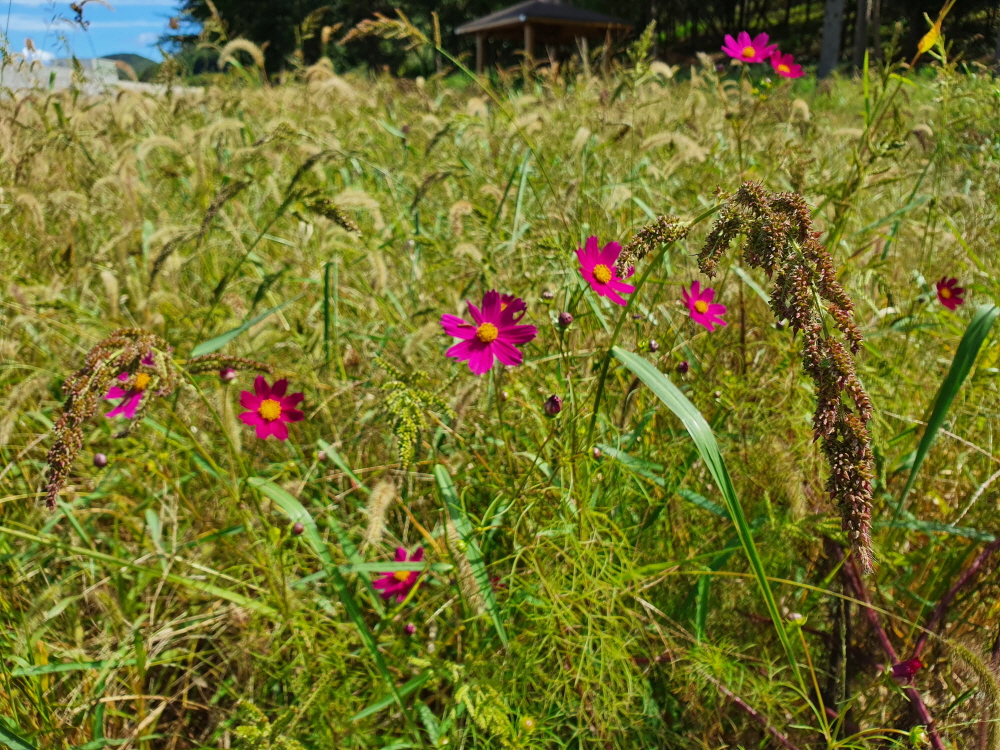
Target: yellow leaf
(929, 39)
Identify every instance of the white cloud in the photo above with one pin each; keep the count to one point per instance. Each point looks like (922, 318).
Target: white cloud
(149, 37)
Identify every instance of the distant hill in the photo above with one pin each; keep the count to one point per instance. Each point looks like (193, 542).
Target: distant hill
(141, 65)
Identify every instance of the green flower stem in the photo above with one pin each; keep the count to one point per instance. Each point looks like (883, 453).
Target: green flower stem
(621, 321)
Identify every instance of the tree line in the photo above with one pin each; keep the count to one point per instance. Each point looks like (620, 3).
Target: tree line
(830, 32)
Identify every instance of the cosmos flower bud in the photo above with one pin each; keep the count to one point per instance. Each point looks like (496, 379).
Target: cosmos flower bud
(410, 628)
(565, 320)
(321, 456)
(298, 528)
(548, 295)
(596, 452)
(553, 405)
(227, 375)
(683, 366)
(504, 395)
(100, 460)
(654, 345)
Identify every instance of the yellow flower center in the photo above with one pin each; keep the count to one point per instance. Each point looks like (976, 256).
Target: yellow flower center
(701, 306)
(487, 332)
(401, 575)
(602, 274)
(141, 381)
(269, 409)
(748, 52)
(945, 293)
(784, 68)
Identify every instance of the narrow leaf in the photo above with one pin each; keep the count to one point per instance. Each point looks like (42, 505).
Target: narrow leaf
(472, 552)
(404, 690)
(965, 357)
(12, 740)
(704, 440)
(214, 344)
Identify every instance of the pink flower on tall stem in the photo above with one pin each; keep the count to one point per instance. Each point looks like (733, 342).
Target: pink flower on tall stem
(949, 294)
(130, 399)
(785, 65)
(496, 333)
(748, 50)
(703, 311)
(400, 583)
(597, 266)
(268, 408)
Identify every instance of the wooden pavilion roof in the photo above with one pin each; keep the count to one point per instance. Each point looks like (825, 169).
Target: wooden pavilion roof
(553, 21)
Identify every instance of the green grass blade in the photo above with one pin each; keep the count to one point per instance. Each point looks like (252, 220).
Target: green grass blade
(12, 740)
(404, 690)
(214, 344)
(472, 552)
(711, 454)
(298, 514)
(965, 357)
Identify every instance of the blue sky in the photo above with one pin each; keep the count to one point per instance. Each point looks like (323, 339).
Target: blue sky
(133, 26)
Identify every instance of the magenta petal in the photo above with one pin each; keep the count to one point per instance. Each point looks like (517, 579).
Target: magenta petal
(507, 353)
(251, 418)
(116, 392)
(518, 334)
(491, 306)
(610, 254)
(481, 360)
(291, 400)
(760, 41)
(463, 350)
(400, 554)
(708, 295)
(592, 250)
(716, 309)
(279, 388)
(249, 401)
(743, 40)
(418, 555)
(130, 404)
(279, 429)
(621, 286)
(292, 415)
(261, 388)
(475, 312)
(612, 295)
(457, 328)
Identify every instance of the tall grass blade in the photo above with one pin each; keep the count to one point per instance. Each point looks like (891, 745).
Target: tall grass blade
(298, 514)
(711, 454)
(472, 552)
(12, 740)
(965, 357)
(216, 343)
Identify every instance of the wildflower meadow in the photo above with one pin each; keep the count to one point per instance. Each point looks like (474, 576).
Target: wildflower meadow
(578, 406)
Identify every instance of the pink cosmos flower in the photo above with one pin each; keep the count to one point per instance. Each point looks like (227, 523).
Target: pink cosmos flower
(597, 267)
(130, 399)
(949, 294)
(400, 583)
(785, 65)
(703, 310)
(269, 408)
(496, 333)
(748, 50)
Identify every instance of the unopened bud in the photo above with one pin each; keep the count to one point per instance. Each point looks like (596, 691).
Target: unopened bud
(410, 628)
(683, 367)
(553, 405)
(565, 320)
(654, 345)
(100, 460)
(298, 528)
(547, 295)
(227, 375)
(596, 452)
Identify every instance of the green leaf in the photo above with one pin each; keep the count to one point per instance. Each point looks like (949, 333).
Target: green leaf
(404, 690)
(298, 514)
(335, 456)
(472, 551)
(749, 281)
(12, 740)
(711, 454)
(965, 357)
(214, 344)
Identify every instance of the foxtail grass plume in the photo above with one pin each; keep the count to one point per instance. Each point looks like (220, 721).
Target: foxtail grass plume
(381, 499)
(664, 230)
(597, 266)
(779, 238)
